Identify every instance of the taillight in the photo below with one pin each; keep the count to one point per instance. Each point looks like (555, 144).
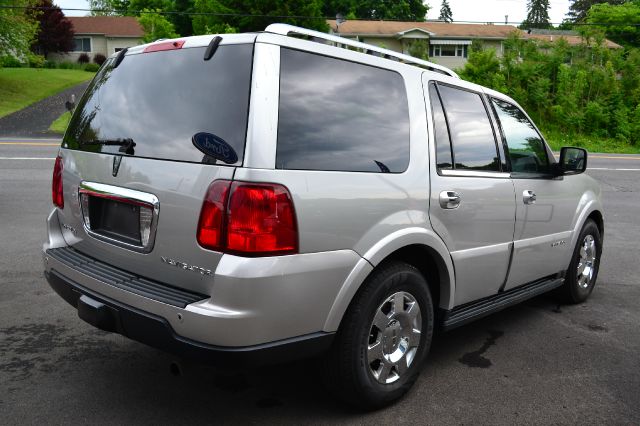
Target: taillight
(261, 220)
(56, 184)
(211, 223)
(248, 219)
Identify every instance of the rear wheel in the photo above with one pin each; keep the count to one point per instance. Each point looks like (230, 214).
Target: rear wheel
(383, 338)
(583, 270)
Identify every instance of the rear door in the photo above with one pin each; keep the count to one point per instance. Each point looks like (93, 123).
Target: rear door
(545, 206)
(472, 204)
(148, 138)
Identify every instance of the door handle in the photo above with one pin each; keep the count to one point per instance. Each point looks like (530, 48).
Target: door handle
(449, 199)
(528, 196)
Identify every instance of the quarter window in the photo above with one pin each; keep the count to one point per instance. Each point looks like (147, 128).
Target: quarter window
(527, 151)
(443, 143)
(471, 134)
(342, 116)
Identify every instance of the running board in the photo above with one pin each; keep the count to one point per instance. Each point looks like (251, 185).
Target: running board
(471, 311)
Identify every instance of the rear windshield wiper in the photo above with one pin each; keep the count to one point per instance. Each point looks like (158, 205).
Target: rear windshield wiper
(126, 145)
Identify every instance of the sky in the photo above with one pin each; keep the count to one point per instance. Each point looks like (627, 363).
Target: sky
(463, 10)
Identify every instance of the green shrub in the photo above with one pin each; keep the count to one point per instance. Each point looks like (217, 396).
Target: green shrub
(66, 65)
(50, 64)
(35, 61)
(9, 61)
(92, 67)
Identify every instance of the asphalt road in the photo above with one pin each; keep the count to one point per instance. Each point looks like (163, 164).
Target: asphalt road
(538, 362)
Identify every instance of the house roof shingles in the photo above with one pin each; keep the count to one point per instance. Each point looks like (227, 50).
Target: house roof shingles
(439, 29)
(573, 40)
(110, 26)
(443, 29)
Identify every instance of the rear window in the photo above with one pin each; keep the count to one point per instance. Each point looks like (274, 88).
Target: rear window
(160, 101)
(341, 116)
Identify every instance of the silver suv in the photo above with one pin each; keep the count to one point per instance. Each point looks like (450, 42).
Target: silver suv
(253, 198)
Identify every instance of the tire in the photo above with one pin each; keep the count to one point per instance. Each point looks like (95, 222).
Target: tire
(582, 274)
(359, 368)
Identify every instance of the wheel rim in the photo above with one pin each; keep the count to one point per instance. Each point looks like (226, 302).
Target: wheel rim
(394, 337)
(586, 261)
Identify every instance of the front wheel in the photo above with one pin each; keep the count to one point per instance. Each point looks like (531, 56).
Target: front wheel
(583, 269)
(383, 338)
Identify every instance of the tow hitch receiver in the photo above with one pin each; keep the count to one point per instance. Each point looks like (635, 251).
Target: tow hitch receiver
(97, 314)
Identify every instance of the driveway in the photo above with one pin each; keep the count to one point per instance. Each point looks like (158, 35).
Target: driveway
(536, 363)
(34, 120)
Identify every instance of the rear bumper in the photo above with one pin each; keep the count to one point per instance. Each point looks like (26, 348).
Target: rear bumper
(153, 330)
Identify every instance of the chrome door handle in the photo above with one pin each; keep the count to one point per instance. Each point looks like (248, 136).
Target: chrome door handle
(449, 199)
(529, 197)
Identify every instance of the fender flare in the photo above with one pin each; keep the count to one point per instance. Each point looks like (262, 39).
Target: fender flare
(380, 251)
(592, 205)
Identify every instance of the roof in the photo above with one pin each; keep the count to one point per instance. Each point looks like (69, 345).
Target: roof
(573, 40)
(112, 26)
(438, 29)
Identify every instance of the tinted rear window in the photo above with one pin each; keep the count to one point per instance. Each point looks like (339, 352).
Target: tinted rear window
(340, 115)
(161, 100)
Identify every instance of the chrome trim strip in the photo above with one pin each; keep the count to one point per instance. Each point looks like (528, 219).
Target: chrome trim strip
(126, 195)
(474, 173)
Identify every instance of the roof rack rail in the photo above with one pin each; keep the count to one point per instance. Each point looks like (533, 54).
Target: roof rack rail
(286, 29)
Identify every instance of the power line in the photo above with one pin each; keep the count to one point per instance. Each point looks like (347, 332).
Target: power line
(250, 15)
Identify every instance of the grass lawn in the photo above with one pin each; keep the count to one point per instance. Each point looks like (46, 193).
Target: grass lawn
(20, 87)
(557, 140)
(61, 123)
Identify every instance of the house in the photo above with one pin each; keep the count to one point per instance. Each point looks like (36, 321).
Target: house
(448, 43)
(101, 35)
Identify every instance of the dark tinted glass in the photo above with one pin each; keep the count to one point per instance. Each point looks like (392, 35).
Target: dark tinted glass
(339, 115)
(474, 145)
(443, 144)
(161, 100)
(527, 151)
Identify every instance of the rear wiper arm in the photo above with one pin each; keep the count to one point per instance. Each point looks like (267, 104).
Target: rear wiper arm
(126, 145)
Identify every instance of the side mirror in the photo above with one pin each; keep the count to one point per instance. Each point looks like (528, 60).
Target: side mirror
(573, 161)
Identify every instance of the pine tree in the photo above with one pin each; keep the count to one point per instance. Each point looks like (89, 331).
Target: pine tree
(538, 14)
(445, 12)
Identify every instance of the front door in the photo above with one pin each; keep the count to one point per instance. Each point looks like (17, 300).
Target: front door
(545, 206)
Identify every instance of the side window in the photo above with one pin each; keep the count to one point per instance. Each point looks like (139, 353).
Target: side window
(342, 116)
(527, 151)
(443, 143)
(472, 139)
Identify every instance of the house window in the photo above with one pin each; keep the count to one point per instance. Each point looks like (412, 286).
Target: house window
(82, 44)
(452, 50)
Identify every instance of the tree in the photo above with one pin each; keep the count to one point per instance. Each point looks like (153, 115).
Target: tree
(537, 15)
(55, 30)
(399, 10)
(419, 49)
(622, 22)
(579, 8)
(17, 28)
(445, 12)
(255, 15)
(101, 7)
(156, 26)
(181, 21)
